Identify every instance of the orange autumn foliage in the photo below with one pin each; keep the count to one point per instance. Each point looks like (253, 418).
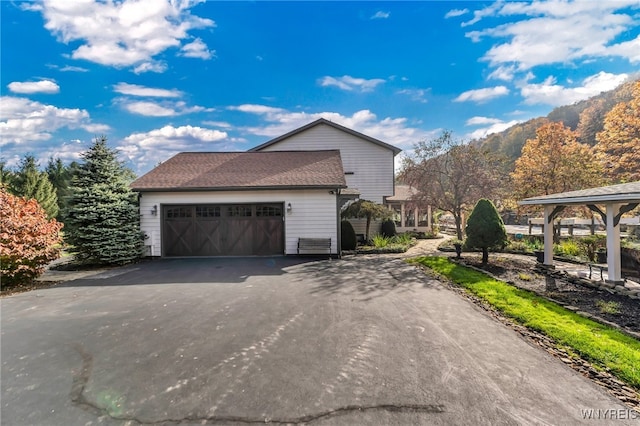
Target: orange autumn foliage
(28, 240)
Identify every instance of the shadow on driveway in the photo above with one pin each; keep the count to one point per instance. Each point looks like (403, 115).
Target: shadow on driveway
(371, 276)
(191, 270)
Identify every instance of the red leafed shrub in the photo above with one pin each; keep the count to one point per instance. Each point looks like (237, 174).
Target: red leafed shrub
(28, 240)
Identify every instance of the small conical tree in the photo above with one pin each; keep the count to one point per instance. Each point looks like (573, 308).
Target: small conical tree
(102, 220)
(29, 182)
(485, 229)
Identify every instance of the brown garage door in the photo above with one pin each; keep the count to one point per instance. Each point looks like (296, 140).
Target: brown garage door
(223, 230)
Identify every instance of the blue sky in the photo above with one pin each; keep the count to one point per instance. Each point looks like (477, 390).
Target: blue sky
(158, 77)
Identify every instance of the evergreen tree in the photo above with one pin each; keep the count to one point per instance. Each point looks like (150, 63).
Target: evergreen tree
(6, 175)
(29, 182)
(60, 177)
(102, 215)
(485, 229)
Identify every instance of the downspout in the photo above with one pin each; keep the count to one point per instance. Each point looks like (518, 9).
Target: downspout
(339, 227)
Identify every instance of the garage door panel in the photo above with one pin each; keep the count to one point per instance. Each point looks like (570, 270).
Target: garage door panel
(178, 236)
(208, 238)
(239, 241)
(268, 237)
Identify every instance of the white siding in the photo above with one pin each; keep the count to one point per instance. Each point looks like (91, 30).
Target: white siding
(371, 164)
(313, 212)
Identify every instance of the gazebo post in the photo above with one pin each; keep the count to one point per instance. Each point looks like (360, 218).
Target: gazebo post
(548, 234)
(613, 244)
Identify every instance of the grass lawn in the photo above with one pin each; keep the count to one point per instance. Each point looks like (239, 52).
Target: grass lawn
(601, 345)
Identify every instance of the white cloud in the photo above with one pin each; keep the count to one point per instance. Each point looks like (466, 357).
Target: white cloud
(346, 82)
(124, 33)
(380, 15)
(417, 95)
(456, 12)
(96, 128)
(149, 109)
(221, 124)
(482, 95)
(164, 109)
(137, 90)
(550, 93)
(479, 121)
(71, 68)
(197, 49)
(559, 31)
(23, 120)
(149, 148)
(395, 131)
(503, 72)
(67, 68)
(495, 126)
(156, 66)
(26, 87)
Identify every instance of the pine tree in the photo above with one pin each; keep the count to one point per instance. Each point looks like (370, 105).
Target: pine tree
(102, 215)
(60, 177)
(485, 229)
(29, 182)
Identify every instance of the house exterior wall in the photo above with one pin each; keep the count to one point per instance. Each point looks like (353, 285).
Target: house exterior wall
(313, 213)
(371, 164)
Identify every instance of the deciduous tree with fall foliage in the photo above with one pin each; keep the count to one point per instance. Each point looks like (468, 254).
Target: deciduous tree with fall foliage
(619, 143)
(28, 239)
(452, 176)
(555, 162)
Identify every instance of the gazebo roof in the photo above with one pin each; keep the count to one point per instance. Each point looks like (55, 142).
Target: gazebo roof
(624, 192)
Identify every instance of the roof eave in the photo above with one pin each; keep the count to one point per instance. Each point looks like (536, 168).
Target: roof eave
(241, 188)
(394, 149)
(633, 198)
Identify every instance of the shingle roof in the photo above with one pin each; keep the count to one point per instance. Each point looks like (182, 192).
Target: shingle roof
(403, 193)
(245, 170)
(624, 192)
(394, 149)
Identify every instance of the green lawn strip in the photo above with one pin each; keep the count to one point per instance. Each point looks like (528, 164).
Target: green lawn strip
(601, 345)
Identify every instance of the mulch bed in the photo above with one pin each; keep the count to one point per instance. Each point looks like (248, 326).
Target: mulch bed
(520, 273)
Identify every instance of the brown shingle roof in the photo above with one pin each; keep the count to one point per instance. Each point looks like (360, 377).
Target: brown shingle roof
(245, 170)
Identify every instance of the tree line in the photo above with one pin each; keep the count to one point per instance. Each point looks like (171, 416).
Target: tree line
(452, 175)
(86, 205)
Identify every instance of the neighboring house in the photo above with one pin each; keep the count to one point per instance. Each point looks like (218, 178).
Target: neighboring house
(368, 162)
(263, 201)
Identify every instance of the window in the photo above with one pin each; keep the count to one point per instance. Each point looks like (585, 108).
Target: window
(178, 212)
(208, 211)
(268, 211)
(239, 211)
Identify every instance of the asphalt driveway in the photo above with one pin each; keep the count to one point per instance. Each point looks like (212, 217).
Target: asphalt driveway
(364, 340)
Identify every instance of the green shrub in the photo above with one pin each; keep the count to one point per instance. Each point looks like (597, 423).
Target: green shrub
(348, 234)
(567, 248)
(389, 228)
(402, 239)
(519, 247)
(380, 241)
(590, 245)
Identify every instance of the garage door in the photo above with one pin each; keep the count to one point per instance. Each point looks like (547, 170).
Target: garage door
(223, 230)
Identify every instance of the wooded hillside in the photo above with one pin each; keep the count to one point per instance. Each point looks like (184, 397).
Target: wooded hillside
(585, 117)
